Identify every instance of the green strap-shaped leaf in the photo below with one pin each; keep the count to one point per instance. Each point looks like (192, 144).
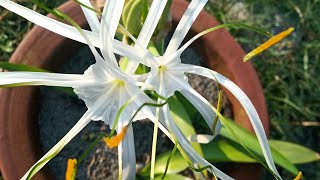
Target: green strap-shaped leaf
(20, 67)
(133, 21)
(177, 164)
(126, 11)
(183, 120)
(295, 153)
(252, 143)
(173, 177)
(226, 151)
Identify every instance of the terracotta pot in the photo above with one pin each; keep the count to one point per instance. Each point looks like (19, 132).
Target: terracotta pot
(20, 147)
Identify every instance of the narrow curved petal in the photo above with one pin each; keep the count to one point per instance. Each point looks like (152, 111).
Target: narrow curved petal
(39, 78)
(200, 138)
(109, 23)
(204, 107)
(111, 15)
(48, 23)
(85, 119)
(187, 147)
(128, 156)
(245, 102)
(151, 21)
(137, 54)
(185, 24)
(91, 16)
(176, 82)
(148, 28)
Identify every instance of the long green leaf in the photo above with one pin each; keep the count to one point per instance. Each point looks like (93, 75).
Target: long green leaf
(295, 153)
(133, 19)
(177, 164)
(173, 177)
(226, 151)
(20, 67)
(183, 120)
(252, 143)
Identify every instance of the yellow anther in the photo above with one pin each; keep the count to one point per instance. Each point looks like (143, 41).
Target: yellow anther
(71, 169)
(115, 140)
(299, 176)
(272, 41)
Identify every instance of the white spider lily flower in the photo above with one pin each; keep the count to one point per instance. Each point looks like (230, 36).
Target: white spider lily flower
(168, 74)
(103, 91)
(104, 87)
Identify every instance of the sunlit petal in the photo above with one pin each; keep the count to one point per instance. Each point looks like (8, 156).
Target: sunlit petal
(39, 78)
(151, 21)
(187, 147)
(245, 102)
(185, 24)
(91, 16)
(148, 28)
(204, 107)
(127, 150)
(109, 23)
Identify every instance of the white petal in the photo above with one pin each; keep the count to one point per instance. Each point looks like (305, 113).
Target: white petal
(99, 83)
(185, 24)
(203, 106)
(85, 119)
(111, 14)
(40, 78)
(50, 24)
(200, 138)
(187, 147)
(170, 81)
(91, 16)
(151, 21)
(109, 23)
(127, 151)
(147, 30)
(245, 102)
(136, 54)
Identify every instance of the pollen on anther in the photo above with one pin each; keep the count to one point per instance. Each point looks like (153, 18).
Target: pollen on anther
(71, 169)
(299, 176)
(272, 41)
(115, 140)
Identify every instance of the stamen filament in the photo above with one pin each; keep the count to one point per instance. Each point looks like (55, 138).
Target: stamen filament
(155, 130)
(71, 169)
(272, 41)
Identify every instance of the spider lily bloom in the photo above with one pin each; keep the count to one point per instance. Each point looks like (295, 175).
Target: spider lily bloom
(167, 75)
(104, 88)
(95, 78)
